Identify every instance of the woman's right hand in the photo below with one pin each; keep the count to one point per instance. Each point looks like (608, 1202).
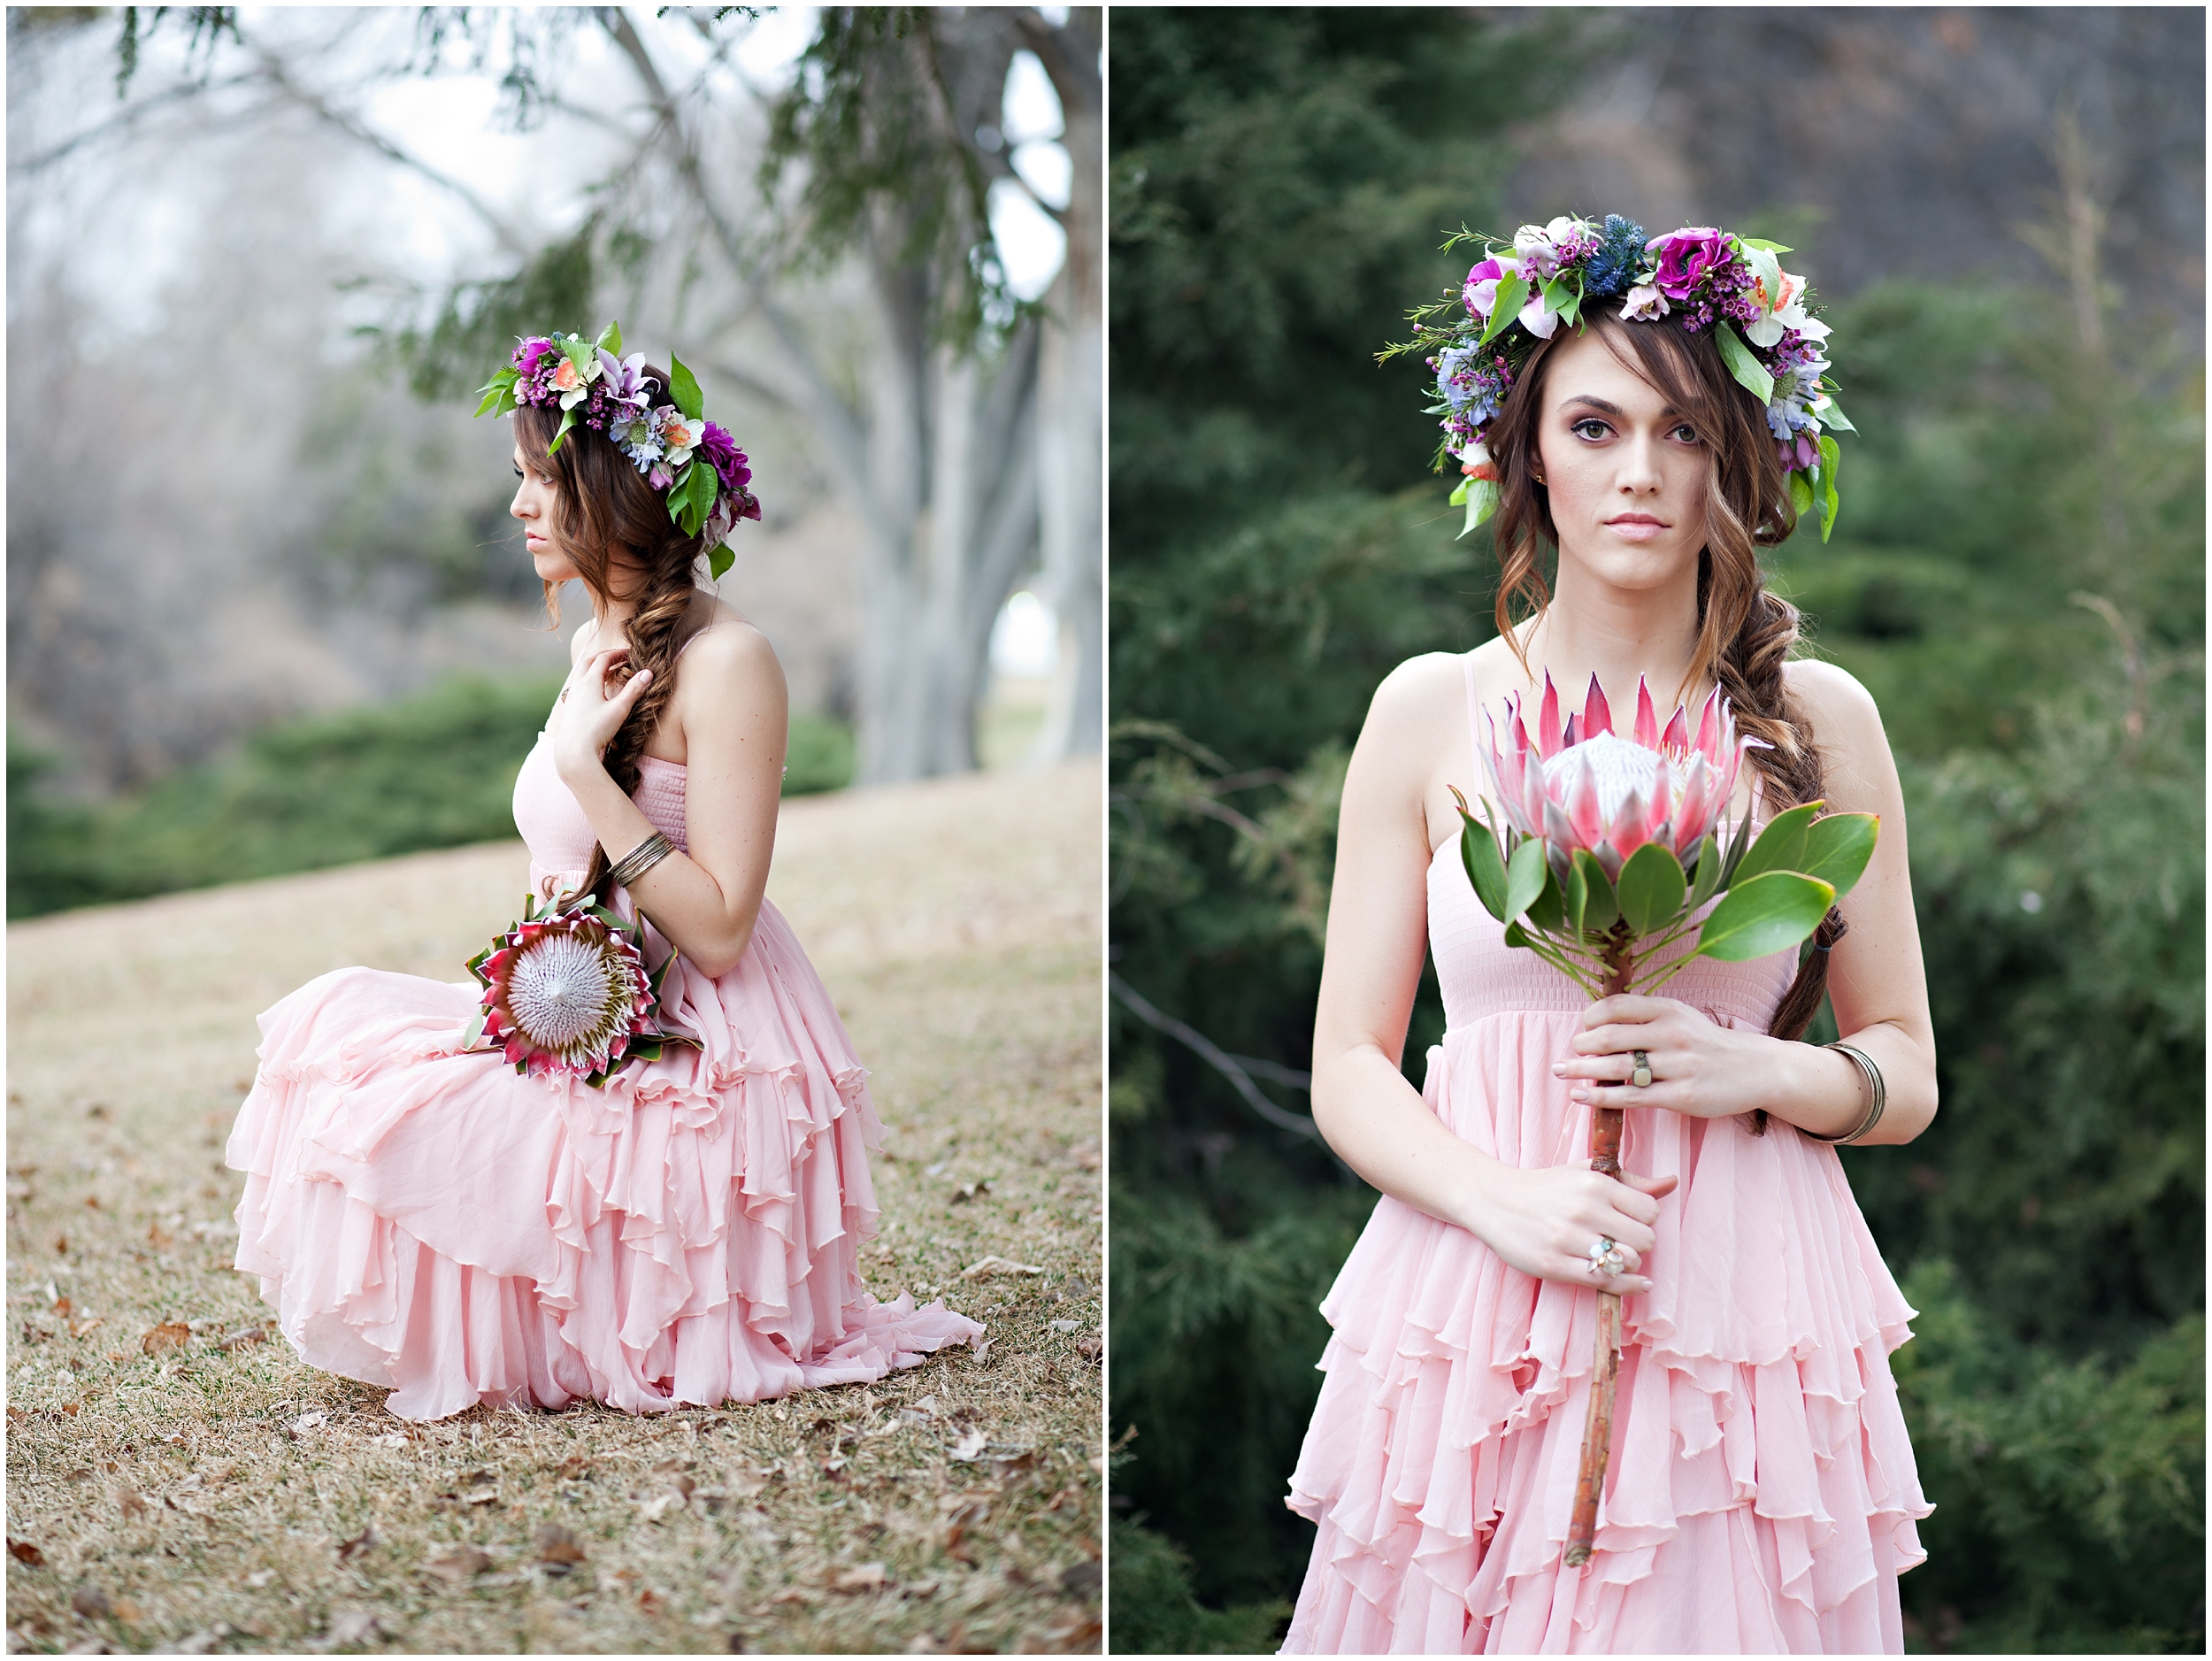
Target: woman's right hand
(1544, 1222)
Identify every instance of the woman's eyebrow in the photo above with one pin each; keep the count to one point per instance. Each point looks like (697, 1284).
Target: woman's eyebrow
(1610, 409)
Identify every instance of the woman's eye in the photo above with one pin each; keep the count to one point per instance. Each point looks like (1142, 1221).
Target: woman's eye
(518, 473)
(1687, 435)
(1591, 428)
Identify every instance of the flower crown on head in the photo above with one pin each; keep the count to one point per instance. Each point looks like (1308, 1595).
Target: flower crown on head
(1519, 294)
(595, 387)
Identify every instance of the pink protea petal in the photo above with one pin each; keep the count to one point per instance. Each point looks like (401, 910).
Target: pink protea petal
(1647, 718)
(1559, 836)
(1676, 739)
(1582, 809)
(1548, 736)
(1597, 714)
(1663, 799)
(1535, 806)
(1573, 735)
(1709, 724)
(1627, 832)
(1694, 809)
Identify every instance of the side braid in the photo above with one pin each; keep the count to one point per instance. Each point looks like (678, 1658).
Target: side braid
(1750, 675)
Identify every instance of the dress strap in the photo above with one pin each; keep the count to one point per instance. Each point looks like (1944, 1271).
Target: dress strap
(1474, 716)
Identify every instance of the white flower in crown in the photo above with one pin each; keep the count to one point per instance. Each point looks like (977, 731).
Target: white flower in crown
(572, 380)
(678, 433)
(1643, 303)
(1780, 296)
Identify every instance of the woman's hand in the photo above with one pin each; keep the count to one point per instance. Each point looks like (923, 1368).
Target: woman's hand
(1544, 1222)
(1698, 1069)
(592, 711)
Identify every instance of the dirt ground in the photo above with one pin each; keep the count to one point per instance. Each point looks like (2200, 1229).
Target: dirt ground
(178, 1480)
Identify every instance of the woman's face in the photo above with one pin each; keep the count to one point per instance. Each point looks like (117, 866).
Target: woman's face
(1627, 474)
(534, 506)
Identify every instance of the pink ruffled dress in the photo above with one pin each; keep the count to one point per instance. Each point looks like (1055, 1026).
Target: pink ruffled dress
(1761, 1494)
(434, 1224)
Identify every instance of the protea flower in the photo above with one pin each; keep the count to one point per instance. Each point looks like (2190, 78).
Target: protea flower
(568, 991)
(1584, 785)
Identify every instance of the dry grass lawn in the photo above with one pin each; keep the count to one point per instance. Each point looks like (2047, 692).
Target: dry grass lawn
(179, 1480)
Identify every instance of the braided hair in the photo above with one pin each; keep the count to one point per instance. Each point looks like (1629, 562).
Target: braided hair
(1746, 632)
(615, 528)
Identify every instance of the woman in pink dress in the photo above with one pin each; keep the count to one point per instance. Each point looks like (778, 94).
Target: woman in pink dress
(428, 1219)
(1761, 1493)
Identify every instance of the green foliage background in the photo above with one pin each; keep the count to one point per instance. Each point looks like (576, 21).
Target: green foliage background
(437, 769)
(2017, 576)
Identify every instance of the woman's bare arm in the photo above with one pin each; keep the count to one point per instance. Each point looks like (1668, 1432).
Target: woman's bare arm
(734, 714)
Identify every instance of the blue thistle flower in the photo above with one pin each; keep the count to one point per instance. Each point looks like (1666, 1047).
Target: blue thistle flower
(1612, 269)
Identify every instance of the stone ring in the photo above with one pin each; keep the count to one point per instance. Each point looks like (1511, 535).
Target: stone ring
(1642, 1075)
(1606, 1259)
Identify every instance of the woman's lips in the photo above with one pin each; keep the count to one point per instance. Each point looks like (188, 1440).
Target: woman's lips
(1635, 528)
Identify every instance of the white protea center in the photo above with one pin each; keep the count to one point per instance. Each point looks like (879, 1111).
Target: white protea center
(569, 995)
(1618, 767)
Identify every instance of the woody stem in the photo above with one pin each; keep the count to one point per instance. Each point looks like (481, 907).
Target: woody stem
(1619, 962)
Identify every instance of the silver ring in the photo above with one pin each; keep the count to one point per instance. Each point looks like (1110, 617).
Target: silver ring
(1641, 1077)
(1606, 1259)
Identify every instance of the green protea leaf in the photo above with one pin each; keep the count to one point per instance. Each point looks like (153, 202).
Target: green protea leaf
(1601, 906)
(1651, 888)
(1485, 866)
(1764, 915)
(1781, 846)
(1837, 847)
(1709, 869)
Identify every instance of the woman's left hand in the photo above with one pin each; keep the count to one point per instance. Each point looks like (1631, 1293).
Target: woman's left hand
(1698, 1068)
(592, 711)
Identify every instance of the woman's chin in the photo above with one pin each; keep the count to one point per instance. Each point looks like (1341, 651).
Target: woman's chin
(551, 567)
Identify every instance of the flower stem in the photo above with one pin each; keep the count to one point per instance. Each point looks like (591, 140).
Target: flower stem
(1597, 1436)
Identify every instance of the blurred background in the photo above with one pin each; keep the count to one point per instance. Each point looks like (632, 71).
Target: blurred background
(265, 608)
(2002, 212)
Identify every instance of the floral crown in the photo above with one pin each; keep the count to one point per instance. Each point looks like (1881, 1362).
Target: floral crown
(1734, 286)
(596, 387)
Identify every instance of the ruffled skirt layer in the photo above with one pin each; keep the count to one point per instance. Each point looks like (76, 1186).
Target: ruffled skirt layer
(433, 1223)
(1761, 1494)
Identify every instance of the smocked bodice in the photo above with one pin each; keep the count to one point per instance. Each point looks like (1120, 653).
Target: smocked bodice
(560, 837)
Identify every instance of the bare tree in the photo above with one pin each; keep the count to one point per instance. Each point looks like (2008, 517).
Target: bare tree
(961, 426)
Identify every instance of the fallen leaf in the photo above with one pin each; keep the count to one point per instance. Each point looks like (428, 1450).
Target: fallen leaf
(91, 1601)
(1085, 1154)
(558, 1548)
(648, 1601)
(968, 1191)
(357, 1547)
(133, 1502)
(869, 1577)
(1089, 1345)
(204, 1641)
(574, 1467)
(1078, 1287)
(62, 1306)
(918, 1590)
(306, 1422)
(171, 1334)
(661, 1504)
(158, 1237)
(93, 1201)
(243, 1336)
(1067, 1326)
(996, 1264)
(354, 1626)
(1082, 1579)
(83, 1328)
(260, 1578)
(24, 1551)
(389, 1439)
(971, 1446)
(458, 1564)
(983, 1351)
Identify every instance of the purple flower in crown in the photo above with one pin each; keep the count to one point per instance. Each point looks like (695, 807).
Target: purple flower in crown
(1686, 257)
(624, 378)
(729, 462)
(1481, 291)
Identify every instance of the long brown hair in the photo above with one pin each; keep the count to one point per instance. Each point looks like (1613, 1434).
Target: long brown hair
(614, 528)
(1746, 632)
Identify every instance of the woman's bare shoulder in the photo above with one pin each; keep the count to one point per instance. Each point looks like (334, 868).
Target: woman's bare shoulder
(1833, 700)
(1412, 697)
